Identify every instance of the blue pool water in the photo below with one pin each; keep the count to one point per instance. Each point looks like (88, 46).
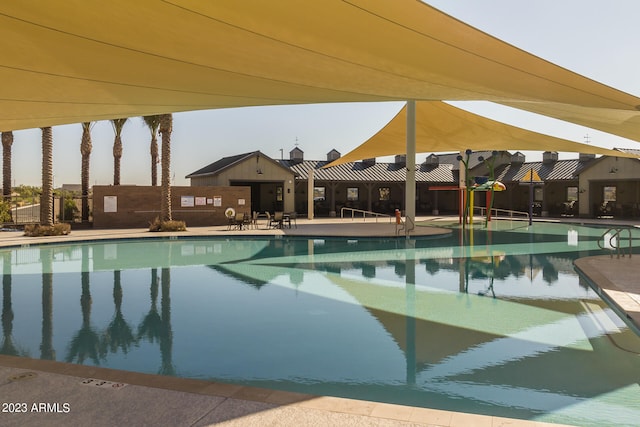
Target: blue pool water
(493, 322)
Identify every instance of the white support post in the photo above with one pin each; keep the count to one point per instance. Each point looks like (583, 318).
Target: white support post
(310, 201)
(410, 187)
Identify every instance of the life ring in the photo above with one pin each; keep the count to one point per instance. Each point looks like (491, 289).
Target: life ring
(230, 213)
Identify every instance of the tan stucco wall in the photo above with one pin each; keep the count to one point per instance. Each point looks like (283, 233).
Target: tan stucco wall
(595, 178)
(247, 172)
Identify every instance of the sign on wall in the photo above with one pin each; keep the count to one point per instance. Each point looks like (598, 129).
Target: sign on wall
(187, 201)
(111, 203)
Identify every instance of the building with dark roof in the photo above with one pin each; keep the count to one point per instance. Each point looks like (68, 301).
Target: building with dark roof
(583, 186)
(271, 182)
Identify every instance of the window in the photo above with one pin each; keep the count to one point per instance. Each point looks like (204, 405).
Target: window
(610, 193)
(538, 194)
(278, 193)
(384, 193)
(319, 194)
(572, 194)
(352, 194)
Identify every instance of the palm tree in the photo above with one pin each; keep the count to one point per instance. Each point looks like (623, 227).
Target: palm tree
(166, 337)
(118, 334)
(153, 123)
(85, 150)
(47, 350)
(151, 325)
(7, 347)
(86, 342)
(46, 199)
(166, 126)
(118, 124)
(7, 141)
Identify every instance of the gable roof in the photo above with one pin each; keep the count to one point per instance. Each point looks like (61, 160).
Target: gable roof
(228, 162)
(444, 172)
(560, 170)
(604, 158)
(378, 172)
(474, 158)
(220, 165)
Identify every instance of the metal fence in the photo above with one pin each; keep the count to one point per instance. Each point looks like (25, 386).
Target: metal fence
(24, 211)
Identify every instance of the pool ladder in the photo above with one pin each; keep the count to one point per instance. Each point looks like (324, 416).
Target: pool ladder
(612, 240)
(407, 225)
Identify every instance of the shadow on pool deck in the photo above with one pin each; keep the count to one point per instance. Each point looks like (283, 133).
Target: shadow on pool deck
(160, 400)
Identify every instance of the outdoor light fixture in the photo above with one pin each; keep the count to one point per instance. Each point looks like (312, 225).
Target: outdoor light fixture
(258, 169)
(614, 169)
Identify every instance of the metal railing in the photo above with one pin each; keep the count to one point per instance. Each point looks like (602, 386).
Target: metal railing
(24, 211)
(364, 213)
(612, 240)
(502, 213)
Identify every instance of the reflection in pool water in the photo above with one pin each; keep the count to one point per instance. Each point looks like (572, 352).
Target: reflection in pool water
(503, 327)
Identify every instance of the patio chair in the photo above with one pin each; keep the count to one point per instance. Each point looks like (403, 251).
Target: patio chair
(289, 218)
(247, 221)
(277, 220)
(239, 221)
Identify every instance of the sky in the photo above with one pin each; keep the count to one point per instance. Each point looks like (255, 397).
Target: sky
(595, 38)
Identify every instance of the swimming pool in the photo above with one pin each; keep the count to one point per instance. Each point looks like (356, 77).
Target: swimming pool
(493, 323)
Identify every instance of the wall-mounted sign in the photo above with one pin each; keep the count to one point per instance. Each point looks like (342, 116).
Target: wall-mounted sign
(111, 203)
(187, 201)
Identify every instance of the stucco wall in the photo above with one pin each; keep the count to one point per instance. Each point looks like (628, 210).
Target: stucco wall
(610, 171)
(261, 171)
(137, 206)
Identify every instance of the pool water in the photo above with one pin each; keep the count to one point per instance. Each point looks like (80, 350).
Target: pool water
(491, 322)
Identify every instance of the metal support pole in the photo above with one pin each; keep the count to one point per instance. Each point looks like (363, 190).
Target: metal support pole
(310, 201)
(410, 188)
(531, 197)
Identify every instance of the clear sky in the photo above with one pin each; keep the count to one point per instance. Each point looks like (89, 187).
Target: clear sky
(591, 37)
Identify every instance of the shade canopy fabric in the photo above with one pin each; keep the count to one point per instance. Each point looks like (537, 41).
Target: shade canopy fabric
(622, 123)
(443, 127)
(69, 61)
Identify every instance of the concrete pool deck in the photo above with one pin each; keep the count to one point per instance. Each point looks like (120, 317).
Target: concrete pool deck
(63, 396)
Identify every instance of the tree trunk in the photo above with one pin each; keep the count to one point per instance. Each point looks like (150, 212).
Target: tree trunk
(117, 155)
(153, 123)
(85, 150)
(118, 125)
(154, 160)
(46, 199)
(166, 125)
(7, 141)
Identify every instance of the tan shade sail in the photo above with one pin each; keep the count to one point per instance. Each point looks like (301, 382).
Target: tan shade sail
(622, 123)
(443, 127)
(67, 61)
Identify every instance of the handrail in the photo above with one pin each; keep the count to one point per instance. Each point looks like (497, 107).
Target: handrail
(615, 240)
(411, 226)
(407, 224)
(506, 212)
(364, 214)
